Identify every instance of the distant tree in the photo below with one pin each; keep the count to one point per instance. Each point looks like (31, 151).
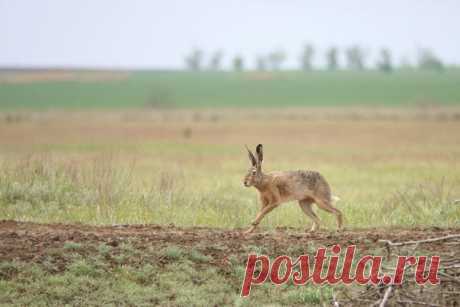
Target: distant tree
(194, 60)
(355, 58)
(276, 59)
(332, 58)
(385, 63)
(429, 61)
(306, 58)
(238, 64)
(216, 60)
(261, 63)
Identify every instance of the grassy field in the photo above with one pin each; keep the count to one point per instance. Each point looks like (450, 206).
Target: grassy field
(395, 170)
(186, 167)
(83, 89)
(117, 148)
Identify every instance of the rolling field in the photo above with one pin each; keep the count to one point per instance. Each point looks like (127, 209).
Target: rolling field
(126, 188)
(187, 167)
(396, 172)
(108, 89)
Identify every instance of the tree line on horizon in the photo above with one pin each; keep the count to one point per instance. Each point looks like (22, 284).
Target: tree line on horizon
(355, 56)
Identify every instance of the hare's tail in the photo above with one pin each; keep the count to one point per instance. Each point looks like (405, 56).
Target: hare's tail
(335, 198)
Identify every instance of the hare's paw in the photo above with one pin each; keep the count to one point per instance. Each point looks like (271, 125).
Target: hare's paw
(249, 231)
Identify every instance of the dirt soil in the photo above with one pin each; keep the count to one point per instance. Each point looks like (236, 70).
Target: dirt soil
(30, 242)
(27, 241)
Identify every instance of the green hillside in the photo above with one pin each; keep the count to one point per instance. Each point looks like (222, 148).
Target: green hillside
(205, 89)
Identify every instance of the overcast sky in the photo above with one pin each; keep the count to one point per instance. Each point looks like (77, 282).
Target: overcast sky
(157, 34)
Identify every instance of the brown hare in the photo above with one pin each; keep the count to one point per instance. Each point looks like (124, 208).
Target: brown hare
(275, 188)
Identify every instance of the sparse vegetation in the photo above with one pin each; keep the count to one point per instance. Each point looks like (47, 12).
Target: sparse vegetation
(392, 168)
(88, 183)
(95, 280)
(197, 256)
(172, 252)
(177, 274)
(72, 246)
(41, 198)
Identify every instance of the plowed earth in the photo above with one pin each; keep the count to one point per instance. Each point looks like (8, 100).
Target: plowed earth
(31, 242)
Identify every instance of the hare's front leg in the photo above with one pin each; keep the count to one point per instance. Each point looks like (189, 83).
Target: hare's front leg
(268, 204)
(259, 217)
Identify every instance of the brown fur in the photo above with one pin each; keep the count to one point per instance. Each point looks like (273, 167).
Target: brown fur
(275, 188)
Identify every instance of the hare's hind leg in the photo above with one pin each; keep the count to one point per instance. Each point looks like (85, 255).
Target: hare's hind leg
(326, 205)
(306, 206)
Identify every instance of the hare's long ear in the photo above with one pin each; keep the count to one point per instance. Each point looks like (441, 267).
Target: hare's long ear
(260, 153)
(251, 157)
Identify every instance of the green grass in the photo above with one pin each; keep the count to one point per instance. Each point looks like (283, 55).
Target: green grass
(172, 252)
(392, 172)
(95, 279)
(197, 256)
(400, 194)
(72, 246)
(227, 89)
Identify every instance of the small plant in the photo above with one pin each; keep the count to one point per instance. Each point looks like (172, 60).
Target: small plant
(104, 249)
(8, 270)
(120, 259)
(72, 246)
(83, 268)
(145, 275)
(197, 256)
(255, 249)
(172, 252)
